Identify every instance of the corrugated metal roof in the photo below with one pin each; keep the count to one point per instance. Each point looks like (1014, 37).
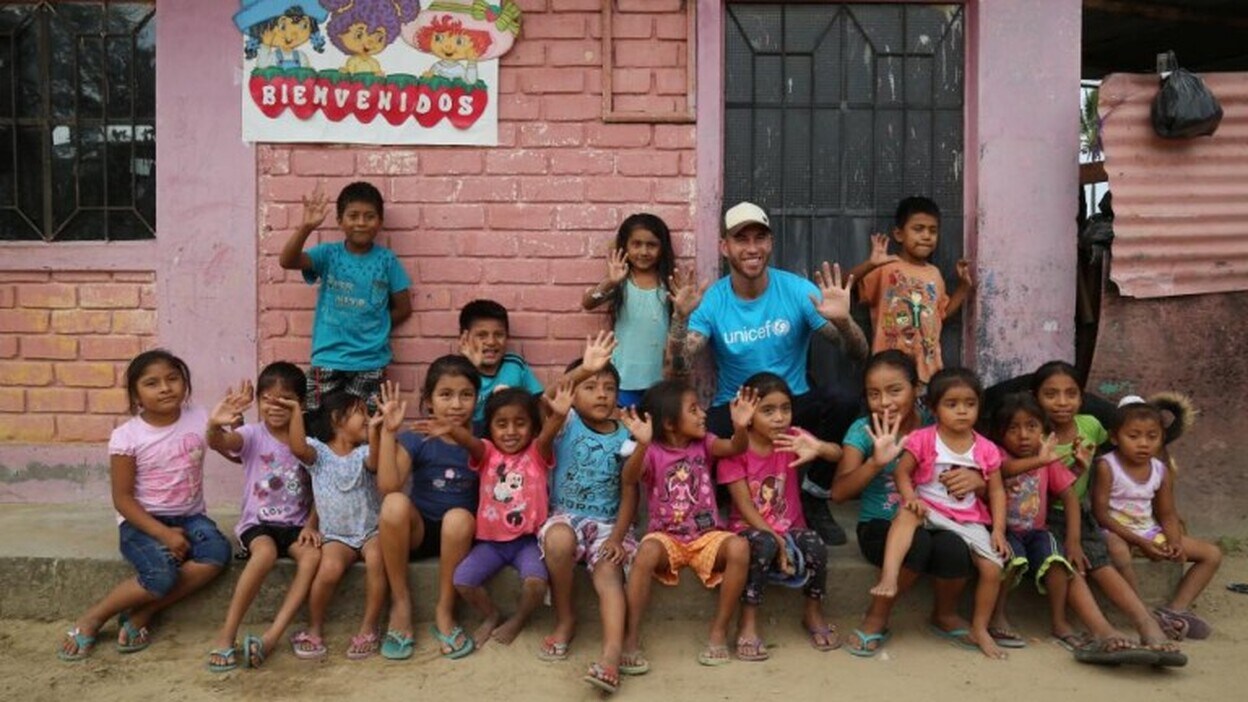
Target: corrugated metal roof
(1180, 206)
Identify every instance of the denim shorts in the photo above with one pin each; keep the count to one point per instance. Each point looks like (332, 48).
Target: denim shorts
(156, 566)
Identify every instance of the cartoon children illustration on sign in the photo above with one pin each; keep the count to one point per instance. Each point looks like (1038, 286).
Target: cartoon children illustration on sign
(275, 28)
(461, 33)
(361, 29)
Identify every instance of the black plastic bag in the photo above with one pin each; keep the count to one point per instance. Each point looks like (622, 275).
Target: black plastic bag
(1184, 107)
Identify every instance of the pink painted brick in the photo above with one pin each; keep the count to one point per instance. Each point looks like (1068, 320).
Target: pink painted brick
(581, 162)
(91, 375)
(292, 189)
(675, 136)
(134, 276)
(25, 373)
(526, 325)
(520, 216)
(288, 296)
(56, 400)
(551, 80)
(617, 135)
(450, 271)
(424, 299)
(587, 217)
(79, 321)
(573, 53)
(576, 5)
(674, 190)
(673, 26)
(513, 270)
(27, 428)
(462, 295)
(147, 296)
(110, 401)
(578, 326)
(53, 347)
(488, 189)
(554, 26)
(8, 297)
(671, 81)
(553, 298)
(272, 324)
(321, 160)
(108, 348)
(452, 161)
(24, 276)
(429, 241)
(688, 163)
(516, 162)
(648, 163)
(422, 189)
(550, 134)
(442, 324)
(420, 349)
(140, 322)
(108, 296)
(552, 244)
(508, 83)
(12, 400)
(584, 272)
(8, 346)
(645, 104)
(524, 53)
(23, 321)
(518, 107)
(552, 189)
(85, 428)
(453, 217)
(273, 160)
(550, 352)
(401, 218)
(299, 323)
(678, 217)
(571, 108)
(488, 243)
(617, 189)
(634, 81)
(81, 276)
(45, 295)
(643, 52)
(388, 161)
(649, 5)
(632, 26)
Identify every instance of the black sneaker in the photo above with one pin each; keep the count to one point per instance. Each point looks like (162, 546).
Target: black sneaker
(819, 517)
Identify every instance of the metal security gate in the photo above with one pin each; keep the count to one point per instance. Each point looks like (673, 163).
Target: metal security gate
(833, 113)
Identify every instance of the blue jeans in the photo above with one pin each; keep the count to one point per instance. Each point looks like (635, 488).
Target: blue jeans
(156, 566)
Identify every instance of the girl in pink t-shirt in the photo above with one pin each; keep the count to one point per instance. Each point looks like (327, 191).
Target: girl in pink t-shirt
(156, 465)
(513, 500)
(954, 396)
(767, 511)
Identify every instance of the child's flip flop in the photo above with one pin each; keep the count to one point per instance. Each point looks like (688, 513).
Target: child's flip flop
(603, 677)
(137, 637)
(752, 650)
(715, 655)
(229, 655)
(448, 640)
(83, 644)
(397, 646)
(552, 650)
(824, 638)
(634, 663)
(253, 651)
(865, 640)
(308, 647)
(959, 637)
(1241, 588)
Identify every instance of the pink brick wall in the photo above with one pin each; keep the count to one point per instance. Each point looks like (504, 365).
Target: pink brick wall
(65, 339)
(526, 223)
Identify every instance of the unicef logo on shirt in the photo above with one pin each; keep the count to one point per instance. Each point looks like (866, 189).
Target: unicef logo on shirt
(772, 328)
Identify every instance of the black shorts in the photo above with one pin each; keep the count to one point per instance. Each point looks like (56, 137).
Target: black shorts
(940, 554)
(431, 545)
(284, 536)
(1090, 536)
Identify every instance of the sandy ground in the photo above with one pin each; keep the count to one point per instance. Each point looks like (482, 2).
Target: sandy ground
(913, 663)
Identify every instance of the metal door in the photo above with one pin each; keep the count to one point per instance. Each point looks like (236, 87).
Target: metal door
(833, 113)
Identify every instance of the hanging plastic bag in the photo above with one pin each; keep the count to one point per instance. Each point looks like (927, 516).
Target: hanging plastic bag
(1184, 107)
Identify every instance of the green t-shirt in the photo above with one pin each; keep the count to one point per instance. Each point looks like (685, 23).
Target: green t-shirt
(1089, 430)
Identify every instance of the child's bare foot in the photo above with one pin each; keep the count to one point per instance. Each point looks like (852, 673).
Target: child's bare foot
(508, 631)
(483, 632)
(989, 647)
(885, 588)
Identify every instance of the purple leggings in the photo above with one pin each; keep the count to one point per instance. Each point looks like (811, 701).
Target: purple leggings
(488, 557)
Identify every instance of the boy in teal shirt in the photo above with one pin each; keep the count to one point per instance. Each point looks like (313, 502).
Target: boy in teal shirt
(363, 293)
(483, 332)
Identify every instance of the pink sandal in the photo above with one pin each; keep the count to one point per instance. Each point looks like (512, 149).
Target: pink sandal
(308, 647)
(362, 646)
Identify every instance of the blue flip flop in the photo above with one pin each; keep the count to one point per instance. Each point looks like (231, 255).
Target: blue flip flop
(253, 659)
(448, 640)
(397, 647)
(231, 659)
(83, 644)
(866, 639)
(959, 637)
(133, 633)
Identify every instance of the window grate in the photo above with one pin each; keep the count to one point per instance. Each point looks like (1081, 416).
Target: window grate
(77, 121)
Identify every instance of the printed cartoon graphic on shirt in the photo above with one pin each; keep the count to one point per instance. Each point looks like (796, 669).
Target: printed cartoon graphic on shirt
(281, 488)
(509, 493)
(770, 501)
(186, 473)
(681, 486)
(593, 472)
(1022, 500)
(909, 319)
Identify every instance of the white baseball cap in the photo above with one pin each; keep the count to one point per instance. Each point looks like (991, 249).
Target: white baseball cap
(743, 214)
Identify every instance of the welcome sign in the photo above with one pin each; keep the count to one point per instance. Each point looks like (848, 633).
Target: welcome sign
(374, 71)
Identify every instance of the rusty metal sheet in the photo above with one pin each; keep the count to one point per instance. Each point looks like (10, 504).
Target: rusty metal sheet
(1181, 207)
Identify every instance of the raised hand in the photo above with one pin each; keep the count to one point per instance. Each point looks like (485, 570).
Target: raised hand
(471, 350)
(834, 298)
(598, 351)
(638, 424)
(1083, 451)
(742, 407)
(617, 267)
(883, 432)
(963, 267)
(561, 403)
(1048, 449)
(432, 428)
(685, 291)
(879, 251)
(802, 444)
(391, 408)
(229, 411)
(315, 208)
(288, 404)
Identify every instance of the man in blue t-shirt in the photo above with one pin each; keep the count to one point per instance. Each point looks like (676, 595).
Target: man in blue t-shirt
(757, 319)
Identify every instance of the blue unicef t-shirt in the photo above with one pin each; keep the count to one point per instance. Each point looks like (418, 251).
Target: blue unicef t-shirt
(441, 479)
(351, 330)
(513, 372)
(769, 333)
(586, 480)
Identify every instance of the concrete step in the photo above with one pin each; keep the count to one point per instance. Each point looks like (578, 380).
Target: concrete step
(55, 560)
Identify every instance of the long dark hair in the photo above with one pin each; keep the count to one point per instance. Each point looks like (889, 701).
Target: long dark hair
(666, 263)
(139, 365)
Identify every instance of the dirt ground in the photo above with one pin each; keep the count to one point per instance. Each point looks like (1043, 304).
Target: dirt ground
(914, 662)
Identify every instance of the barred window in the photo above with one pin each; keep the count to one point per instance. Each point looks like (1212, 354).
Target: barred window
(77, 121)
